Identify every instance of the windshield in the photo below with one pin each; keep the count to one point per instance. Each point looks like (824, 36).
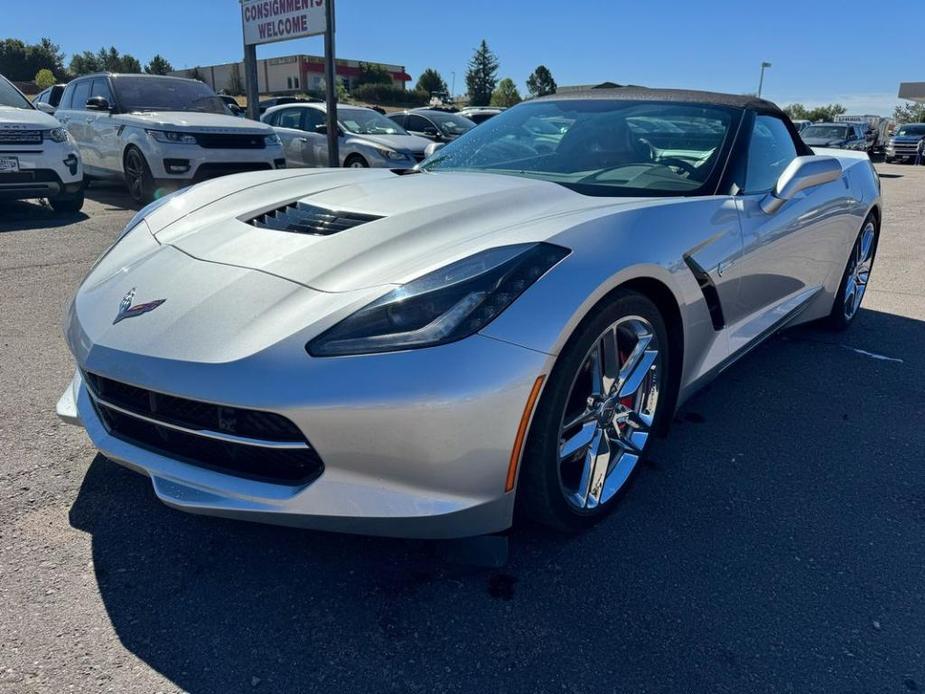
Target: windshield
(166, 94)
(451, 124)
(911, 130)
(599, 146)
(10, 96)
(825, 132)
(364, 121)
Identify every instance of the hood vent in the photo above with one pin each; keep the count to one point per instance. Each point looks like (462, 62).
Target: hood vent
(302, 218)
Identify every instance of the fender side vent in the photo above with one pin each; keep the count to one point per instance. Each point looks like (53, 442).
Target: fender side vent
(710, 295)
(302, 218)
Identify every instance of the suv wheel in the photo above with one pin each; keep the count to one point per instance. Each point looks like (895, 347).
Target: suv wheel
(138, 177)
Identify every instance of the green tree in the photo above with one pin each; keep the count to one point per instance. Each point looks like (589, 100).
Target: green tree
(506, 94)
(371, 73)
(44, 78)
(825, 113)
(540, 82)
(431, 82)
(482, 75)
(84, 64)
(159, 65)
(796, 112)
(20, 61)
(909, 113)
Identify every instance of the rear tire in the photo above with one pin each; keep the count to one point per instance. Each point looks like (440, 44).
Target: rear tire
(138, 178)
(856, 276)
(568, 486)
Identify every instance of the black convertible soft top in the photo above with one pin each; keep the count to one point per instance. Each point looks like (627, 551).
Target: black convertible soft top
(691, 96)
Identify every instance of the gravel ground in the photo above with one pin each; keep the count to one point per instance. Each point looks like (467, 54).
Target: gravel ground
(775, 542)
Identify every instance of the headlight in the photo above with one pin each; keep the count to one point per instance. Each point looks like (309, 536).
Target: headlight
(272, 140)
(443, 306)
(57, 135)
(171, 137)
(391, 154)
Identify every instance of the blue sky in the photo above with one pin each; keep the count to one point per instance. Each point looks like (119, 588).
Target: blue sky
(848, 51)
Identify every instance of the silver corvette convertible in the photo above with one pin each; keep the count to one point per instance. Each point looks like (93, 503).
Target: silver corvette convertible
(420, 353)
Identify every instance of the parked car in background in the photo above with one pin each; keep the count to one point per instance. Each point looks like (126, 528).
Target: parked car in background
(902, 145)
(835, 136)
(365, 139)
(480, 114)
(438, 126)
(161, 133)
(800, 124)
(876, 129)
(281, 100)
(38, 159)
(47, 100)
(232, 105)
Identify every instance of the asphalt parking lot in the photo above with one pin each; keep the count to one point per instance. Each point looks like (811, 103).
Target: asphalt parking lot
(774, 543)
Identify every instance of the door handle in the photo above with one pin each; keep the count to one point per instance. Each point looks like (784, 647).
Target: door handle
(302, 139)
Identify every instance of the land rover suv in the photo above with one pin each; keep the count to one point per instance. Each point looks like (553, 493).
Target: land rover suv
(161, 133)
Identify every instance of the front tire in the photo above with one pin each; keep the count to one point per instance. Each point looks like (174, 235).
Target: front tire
(138, 178)
(604, 399)
(69, 203)
(856, 276)
(355, 161)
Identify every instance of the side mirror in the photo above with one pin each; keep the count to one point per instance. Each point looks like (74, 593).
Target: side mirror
(44, 108)
(430, 132)
(433, 147)
(802, 173)
(97, 103)
(323, 130)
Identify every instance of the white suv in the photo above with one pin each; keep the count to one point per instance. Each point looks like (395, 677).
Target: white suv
(161, 132)
(38, 159)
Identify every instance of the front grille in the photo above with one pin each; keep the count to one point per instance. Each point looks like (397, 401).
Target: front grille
(302, 218)
(31, 176)
(206, 172)
(204, 434)
(228, 141)
(20, 137)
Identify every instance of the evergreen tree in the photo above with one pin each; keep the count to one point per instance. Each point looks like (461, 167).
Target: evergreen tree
(540, 82)
(159, 65)
(482, 75)
(430, 82)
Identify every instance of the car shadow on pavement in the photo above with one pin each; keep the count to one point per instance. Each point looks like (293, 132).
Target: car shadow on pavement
(773, 542)
(111, 194)
(23, 215)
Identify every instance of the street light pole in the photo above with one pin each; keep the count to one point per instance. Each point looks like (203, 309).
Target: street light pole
(761, 79)
(453, 88)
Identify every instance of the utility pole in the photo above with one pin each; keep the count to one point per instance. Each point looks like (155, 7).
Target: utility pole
(761, 79)
(330, 77)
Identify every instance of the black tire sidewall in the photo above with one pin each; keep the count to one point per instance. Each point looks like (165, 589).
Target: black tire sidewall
(356, 157)
(837, 320)
(147, 181)
(539, 496)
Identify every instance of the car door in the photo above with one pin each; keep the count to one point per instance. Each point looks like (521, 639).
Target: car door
(72, 115)
(103, 130)
(314, 144)
(787, 254)
(287, 123)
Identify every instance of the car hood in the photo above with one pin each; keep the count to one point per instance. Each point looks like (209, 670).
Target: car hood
(192, 120)
(423, 221)
(405, 143)
(26, 119)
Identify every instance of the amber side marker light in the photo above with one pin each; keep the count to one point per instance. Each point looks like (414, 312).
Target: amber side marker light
(522, 433)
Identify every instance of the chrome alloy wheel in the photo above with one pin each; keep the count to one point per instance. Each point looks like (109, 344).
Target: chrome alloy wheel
(609, 413)
(862, 258)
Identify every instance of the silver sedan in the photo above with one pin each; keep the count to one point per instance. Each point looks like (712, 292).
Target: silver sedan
(506, 325)
(365, 138)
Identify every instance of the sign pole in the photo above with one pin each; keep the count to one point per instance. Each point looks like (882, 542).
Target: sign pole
(330, 85)
(250, 81)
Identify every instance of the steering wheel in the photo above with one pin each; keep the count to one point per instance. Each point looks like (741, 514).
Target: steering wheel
(680, 163)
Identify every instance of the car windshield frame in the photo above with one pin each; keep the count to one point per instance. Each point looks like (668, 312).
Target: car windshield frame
(158, 95)
(11, 97)
(372, 116)
(716, 125)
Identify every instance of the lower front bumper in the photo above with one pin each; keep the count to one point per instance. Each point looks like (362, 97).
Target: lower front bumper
(380, 477)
